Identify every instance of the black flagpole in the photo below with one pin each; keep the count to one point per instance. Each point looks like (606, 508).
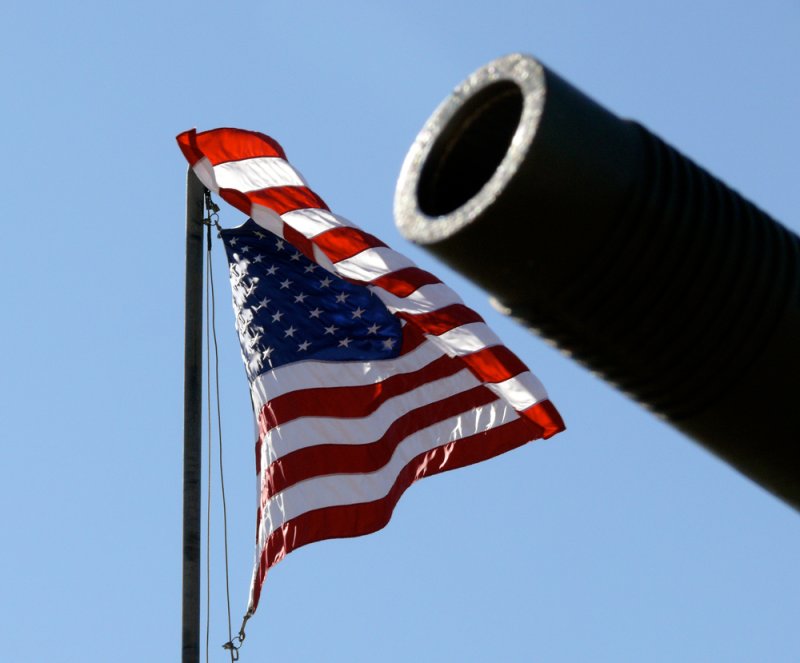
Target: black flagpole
(192, 419)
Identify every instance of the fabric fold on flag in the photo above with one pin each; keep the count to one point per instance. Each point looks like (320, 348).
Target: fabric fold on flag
(366, 372)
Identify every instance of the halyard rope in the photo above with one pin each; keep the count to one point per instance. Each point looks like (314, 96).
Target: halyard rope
(212, 218)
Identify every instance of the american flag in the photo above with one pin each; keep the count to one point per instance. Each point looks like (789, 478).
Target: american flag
(366, 372)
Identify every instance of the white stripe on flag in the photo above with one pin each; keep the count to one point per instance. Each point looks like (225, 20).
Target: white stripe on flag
(423, 300)
(311, 374)
(311, 431)
(255, 174)
(267, 218)
(205, 173)
(521, 391)
(322, 260)
(311, 222)
(340, 489)
(466, 339)
(372, 263)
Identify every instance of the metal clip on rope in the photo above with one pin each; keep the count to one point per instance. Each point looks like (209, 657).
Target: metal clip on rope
(212, 211)
(234, 645)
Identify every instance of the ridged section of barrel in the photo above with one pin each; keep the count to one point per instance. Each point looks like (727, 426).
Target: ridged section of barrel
(685, 293)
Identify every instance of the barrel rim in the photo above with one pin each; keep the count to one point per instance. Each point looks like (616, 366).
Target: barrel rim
(414, 224)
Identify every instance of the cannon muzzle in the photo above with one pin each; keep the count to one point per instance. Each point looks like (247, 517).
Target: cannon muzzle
(628, 256)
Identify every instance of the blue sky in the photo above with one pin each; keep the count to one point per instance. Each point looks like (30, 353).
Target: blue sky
(619, 540)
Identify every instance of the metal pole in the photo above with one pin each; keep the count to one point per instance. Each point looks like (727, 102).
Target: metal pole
(192, 419)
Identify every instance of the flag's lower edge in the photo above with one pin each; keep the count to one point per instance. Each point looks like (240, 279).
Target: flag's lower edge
(540, 421)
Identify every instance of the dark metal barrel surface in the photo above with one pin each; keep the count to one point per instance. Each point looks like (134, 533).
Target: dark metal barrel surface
(631, 258)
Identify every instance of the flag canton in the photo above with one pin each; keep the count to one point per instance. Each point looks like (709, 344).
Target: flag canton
(288, 308)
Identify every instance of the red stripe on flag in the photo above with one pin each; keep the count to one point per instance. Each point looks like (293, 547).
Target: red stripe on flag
(494, 364)
(284, 199)
(412, 339)
(350, 402)
(405, 281)
(223, 145)
(545, 415)
(299, 241)
(369, 457)
(236, 198)
(358, 519)
(444, 319)
(187, 141)
(342, 243)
